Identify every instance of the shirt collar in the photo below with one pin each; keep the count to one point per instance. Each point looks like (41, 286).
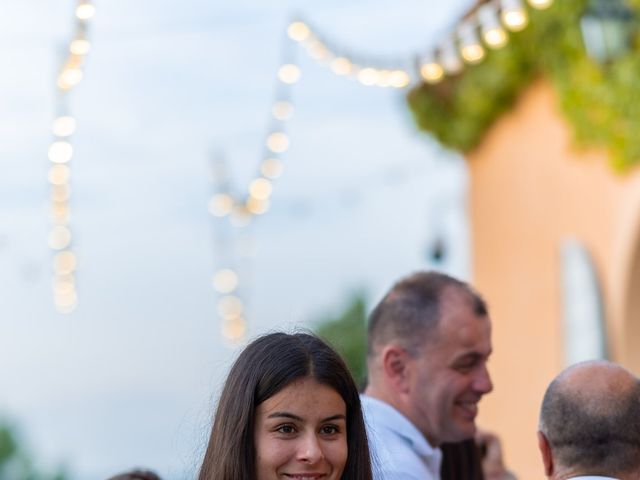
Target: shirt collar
(388, 417)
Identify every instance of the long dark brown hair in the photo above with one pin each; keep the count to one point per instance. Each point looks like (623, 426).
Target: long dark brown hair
(461, 461)
(266, 366)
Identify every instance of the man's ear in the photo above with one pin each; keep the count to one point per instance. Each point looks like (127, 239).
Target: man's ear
(545, 450)
(396, 365)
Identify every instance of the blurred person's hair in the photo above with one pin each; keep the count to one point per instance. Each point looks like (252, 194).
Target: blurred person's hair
(136, 475)
(410, 311)
(461, 461)
(265, 367)
(592, 433)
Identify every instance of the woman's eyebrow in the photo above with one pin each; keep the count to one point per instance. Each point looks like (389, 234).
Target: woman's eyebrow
(335, 417)
(285, 415)
(300, 419)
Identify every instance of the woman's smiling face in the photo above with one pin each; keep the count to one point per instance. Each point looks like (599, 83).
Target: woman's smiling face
(301, 433)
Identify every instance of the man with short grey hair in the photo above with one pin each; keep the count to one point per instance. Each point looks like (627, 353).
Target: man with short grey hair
(429, 340)
(590, 423)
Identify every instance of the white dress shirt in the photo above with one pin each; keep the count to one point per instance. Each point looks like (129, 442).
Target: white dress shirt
(398, 450)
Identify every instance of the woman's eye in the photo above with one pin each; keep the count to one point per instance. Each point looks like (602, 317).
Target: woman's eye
(287, 429)
(329, 430)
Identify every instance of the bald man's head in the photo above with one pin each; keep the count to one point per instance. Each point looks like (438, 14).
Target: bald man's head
(590, 417)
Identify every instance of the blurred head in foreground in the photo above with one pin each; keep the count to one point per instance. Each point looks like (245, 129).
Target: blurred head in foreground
(136, 475)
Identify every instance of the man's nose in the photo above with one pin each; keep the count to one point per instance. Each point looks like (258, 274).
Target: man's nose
(310, 449)
(482, 382)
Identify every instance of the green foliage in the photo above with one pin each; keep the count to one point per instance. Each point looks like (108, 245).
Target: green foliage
(601, 102)
(347, 332)
(15, 463)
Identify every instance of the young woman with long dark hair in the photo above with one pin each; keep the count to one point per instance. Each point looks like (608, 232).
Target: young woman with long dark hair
(289, 409)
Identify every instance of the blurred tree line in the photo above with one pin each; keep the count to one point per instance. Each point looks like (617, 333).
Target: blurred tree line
(347, 332)
(16, 463)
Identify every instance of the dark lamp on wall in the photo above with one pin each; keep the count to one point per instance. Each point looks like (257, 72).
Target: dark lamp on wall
(606, 29)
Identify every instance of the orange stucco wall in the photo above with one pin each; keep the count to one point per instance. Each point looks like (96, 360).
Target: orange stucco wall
(529, 190)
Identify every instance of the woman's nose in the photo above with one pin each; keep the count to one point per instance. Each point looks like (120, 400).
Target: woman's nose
(310, 449)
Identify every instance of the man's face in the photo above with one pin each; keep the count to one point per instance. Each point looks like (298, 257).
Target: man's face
(449, 375)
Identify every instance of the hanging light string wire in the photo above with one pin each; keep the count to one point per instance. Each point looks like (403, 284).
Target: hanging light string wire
(486, 26)
(60, 153)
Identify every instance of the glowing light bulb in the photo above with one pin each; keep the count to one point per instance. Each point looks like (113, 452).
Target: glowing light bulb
(59, 174)
(230, 306)
(540, 4)
(69, 77)
(298, 31)
(60, 152)
(64, 126)
(341, 66)
(225, 280)
(495, 37)
(282, 110)
(384, 78)
(399, 79)
(79, 46)
(85, 10)
(64, 262)
(289, 73)
(492, 32)
(431, 71)
(257, 206)
(260, 188)
(514, 15)
(66, 303)
(368, 76)
(63, 284)
(234, 329)
(59, 238)
(220, 205)
(318, 51)
(470, 47)
(60, 213)
(60, 193)
(278, 142)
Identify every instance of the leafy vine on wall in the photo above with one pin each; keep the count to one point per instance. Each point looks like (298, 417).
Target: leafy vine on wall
(600, 102)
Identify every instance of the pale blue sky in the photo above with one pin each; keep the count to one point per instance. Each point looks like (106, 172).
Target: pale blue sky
(130, 377)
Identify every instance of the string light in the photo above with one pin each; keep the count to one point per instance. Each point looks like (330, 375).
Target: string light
(80, 46)
(470, 48)
(234, 329)
(449, 58)
(277, 142)
(514, 16)
(64, 126)
(260, 188)
(489, 20)
(60, 153)
(368, 76)
(492, 32)
(220, 205)
(540, 4)
(342, 65)
(282, 110)
(430, 70)
(298, 31)
(225, 280)
(85, 10)
(289, 73)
